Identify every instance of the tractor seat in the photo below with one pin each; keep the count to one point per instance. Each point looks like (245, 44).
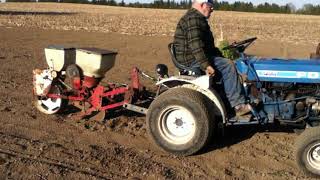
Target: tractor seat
(183, 70)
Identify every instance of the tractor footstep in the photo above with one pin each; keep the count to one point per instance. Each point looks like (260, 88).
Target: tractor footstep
(244, 118)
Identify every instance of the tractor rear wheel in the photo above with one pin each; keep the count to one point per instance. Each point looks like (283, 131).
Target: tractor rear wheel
(179, 121)
(51, 105)
(307, 149)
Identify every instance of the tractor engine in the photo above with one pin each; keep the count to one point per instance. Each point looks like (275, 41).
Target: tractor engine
(284, 90)
(286, 102)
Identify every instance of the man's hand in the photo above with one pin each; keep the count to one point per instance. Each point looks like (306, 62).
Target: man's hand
(210, 71)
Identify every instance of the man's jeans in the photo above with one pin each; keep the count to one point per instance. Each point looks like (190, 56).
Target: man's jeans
(231, 82)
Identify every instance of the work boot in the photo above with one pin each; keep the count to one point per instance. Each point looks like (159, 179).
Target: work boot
(242, 109)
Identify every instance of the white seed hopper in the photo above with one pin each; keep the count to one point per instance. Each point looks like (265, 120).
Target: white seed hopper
(94, 62)
(59, 57)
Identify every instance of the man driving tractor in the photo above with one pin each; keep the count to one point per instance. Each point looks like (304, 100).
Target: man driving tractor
(194, 45)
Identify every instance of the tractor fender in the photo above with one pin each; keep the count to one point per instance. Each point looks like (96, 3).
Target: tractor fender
(202, 81)
(200, 84)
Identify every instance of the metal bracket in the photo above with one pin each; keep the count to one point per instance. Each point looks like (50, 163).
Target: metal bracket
(135, 108)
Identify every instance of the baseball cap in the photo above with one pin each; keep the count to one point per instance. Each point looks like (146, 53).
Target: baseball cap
(204, 1)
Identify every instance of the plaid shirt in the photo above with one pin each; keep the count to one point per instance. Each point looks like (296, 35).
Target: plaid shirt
(193, 40)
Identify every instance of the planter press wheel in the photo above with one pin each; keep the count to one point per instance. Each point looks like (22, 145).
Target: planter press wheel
(50, 105)
(179, 121)
(307, 149)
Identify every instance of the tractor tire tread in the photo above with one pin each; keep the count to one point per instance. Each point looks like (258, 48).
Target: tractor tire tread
(200, 102)
(304, 140)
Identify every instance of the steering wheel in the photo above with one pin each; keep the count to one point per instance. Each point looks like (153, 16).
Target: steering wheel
(241, 45)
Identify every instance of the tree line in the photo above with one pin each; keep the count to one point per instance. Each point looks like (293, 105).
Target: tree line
(184, 4)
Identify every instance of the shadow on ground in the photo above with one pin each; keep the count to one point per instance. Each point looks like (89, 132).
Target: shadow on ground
(235, 134)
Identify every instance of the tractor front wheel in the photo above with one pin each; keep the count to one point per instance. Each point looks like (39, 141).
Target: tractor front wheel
(308, 151)
(179, 121)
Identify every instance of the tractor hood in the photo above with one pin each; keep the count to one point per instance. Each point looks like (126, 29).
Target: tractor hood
(280, 70)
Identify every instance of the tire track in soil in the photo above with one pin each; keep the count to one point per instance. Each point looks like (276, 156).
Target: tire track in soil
(112, 162)
(15, 143)
(53, 162)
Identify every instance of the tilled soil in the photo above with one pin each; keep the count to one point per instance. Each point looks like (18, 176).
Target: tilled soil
(157, 22)
(38, 146)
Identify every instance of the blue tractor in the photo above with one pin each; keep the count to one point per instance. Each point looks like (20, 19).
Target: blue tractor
(189, 109)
